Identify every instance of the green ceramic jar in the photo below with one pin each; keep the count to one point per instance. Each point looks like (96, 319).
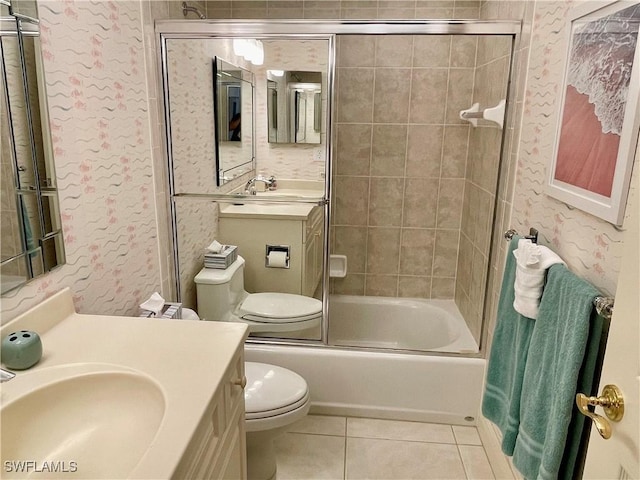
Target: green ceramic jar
(21, 350)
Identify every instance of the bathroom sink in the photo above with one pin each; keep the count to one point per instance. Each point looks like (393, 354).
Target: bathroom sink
(102, 402)
(92, 422)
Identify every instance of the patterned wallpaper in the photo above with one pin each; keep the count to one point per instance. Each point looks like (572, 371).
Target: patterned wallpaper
(192, 129)
(99, 117)
(197, 222)
(190, 75)
(590, 246)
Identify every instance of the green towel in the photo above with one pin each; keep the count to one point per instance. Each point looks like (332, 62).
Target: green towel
(509, 349)
(556, 355)
(579, 428)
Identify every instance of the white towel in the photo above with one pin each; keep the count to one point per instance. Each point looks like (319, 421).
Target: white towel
(532, 263)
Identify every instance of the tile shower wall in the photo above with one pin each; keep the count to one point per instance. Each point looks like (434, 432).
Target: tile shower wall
(334, 9)
(492, 71)
(400, 158)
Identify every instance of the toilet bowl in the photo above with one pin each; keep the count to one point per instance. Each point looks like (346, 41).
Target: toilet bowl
(222, 297)
(275, 397)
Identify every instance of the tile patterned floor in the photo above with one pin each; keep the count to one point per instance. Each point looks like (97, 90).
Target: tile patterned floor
(319, 447)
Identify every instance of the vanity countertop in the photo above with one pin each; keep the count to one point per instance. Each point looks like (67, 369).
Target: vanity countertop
(187, 360)
(267, 211)
(303, 196)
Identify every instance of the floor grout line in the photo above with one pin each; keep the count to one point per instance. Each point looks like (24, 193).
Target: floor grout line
(468, 467)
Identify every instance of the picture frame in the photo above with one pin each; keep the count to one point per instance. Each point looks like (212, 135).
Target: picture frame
(599, 121)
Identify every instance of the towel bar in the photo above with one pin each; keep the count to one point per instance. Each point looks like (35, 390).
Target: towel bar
(533, 234)
(603, 305)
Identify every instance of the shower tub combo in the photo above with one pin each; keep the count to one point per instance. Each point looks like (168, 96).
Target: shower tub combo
(381, 357)
(396, 380)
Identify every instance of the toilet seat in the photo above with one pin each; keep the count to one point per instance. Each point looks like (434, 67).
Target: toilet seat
(274, 396)
(270, 307)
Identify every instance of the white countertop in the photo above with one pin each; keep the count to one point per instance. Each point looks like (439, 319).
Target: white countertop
(187, 359)
(311, 191)
(267, 211)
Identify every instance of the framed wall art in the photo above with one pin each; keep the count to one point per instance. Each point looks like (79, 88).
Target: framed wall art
(599, 123)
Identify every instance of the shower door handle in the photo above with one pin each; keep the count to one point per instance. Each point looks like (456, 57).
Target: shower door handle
(613, 403)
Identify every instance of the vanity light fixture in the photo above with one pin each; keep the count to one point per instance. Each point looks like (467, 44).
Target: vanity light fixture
(277, 73)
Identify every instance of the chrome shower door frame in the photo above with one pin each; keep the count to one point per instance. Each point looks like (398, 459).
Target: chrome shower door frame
(329, 30)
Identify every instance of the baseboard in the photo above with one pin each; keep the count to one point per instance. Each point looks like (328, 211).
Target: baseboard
(500, 464)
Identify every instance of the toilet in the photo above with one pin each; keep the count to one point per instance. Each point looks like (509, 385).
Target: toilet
(222, 297)
(275, 397)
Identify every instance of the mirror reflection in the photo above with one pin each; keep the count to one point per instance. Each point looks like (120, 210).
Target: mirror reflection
(233, 112)
(294, 106)
(193, 125)
(281, 243)
(207, 87)
(31, 239)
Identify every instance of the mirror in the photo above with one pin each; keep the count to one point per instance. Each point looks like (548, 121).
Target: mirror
(192, 124)
(203, 211)
(199, 111)
(31, 239)
(294, 106)
(233, 112)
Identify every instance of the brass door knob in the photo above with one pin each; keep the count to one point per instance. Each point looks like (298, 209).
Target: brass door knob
(612, 402)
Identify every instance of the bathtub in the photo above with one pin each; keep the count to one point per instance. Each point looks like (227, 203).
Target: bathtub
(398, 323)
(383, 384)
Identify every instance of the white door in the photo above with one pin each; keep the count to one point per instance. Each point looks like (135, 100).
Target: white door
(619, 457)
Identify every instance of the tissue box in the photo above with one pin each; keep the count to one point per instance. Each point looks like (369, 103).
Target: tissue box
(170, 310)
(223, 259)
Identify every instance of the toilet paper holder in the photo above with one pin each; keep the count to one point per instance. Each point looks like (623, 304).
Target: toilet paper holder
(269, 249)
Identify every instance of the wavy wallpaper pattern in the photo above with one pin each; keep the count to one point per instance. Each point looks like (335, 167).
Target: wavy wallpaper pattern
(93, 57)
(97, 93)
(590, 246)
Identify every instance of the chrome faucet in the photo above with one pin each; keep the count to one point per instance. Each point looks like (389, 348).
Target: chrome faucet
(270, 183)
(6, 375)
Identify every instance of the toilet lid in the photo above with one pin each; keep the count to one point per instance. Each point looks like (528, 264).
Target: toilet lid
(279, 307)
(272, 390)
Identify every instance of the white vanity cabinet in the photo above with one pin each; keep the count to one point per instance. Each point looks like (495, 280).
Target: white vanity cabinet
(218, 446)
(253, 227)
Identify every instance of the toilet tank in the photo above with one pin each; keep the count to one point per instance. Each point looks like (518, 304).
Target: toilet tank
(219, 291)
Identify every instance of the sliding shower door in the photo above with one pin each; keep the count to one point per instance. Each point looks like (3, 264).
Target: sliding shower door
(414, 187)
(400, 190)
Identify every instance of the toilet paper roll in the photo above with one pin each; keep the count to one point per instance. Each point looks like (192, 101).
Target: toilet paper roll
(277, 259)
